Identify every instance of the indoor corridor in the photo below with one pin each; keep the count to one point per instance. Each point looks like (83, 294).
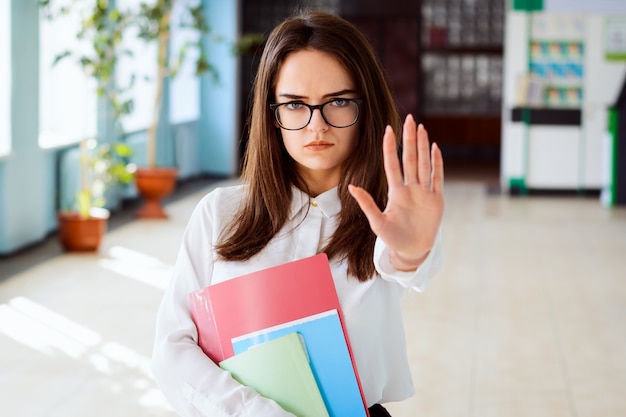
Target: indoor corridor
(524, 320)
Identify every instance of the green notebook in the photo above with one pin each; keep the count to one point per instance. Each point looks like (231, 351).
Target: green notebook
(280, 370)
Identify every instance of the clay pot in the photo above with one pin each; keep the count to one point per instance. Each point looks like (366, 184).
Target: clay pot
(154, 184)
(82, 234)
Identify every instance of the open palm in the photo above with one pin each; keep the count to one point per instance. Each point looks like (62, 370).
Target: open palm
(414, 210)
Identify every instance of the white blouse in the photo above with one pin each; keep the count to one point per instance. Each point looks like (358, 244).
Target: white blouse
(196, 386)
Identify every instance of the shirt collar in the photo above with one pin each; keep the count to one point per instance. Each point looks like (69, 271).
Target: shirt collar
(328, 202)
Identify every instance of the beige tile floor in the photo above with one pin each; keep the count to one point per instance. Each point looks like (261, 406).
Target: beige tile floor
(525, 320)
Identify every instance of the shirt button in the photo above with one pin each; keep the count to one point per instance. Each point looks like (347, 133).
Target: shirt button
(314, 203)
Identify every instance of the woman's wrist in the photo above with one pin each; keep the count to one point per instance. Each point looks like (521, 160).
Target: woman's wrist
(406, 264)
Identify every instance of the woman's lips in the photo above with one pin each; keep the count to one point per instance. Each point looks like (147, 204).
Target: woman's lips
(318, 145)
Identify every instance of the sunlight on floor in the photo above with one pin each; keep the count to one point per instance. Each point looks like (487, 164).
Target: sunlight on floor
(43, 330)
(51, 334)
(138, 266)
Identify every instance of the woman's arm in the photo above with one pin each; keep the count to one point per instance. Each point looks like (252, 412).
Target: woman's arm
(411, 220)
(193, 384)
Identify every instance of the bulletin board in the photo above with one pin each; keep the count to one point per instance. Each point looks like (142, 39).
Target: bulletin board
(556, 58)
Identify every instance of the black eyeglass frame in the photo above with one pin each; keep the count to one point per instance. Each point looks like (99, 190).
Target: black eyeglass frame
(274, 107)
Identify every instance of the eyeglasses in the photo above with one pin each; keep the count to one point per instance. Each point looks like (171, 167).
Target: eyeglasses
(296, 115)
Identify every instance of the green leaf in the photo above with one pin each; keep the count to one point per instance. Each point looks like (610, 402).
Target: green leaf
(60, 57)
(115, 15)
(123, 150)
(103, 4)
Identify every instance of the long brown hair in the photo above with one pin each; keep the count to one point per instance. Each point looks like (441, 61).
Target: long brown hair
(270, 172)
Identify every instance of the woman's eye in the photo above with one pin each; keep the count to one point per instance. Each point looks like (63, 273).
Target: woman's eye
(339, 102)
(293, 106)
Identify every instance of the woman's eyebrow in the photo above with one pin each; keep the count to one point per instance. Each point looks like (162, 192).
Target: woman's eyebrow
(291, 96)
(333, 94)
(339, 93)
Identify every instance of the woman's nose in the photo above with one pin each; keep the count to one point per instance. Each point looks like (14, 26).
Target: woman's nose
(317, 123)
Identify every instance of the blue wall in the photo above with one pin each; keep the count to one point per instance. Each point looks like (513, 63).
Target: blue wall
(29, 187)
(24, 177)
(220, 101)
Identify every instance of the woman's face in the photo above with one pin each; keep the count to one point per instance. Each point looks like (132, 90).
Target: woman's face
(319, 149)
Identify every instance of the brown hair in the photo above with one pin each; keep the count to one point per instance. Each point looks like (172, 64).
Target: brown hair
(270, 172)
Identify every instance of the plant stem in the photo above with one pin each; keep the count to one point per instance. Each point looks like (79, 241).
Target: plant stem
(84, 166)
(163, 52)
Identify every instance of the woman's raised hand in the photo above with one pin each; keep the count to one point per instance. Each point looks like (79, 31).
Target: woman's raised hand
(414, 210)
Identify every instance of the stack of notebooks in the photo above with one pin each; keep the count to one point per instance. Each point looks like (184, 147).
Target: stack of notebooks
(281, 332)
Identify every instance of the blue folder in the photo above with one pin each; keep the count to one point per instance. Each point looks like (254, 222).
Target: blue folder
(329, 357)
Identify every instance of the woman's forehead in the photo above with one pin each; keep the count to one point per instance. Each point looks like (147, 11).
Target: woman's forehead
(312, 72)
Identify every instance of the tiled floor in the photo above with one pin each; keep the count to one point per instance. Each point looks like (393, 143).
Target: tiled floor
(525, 320)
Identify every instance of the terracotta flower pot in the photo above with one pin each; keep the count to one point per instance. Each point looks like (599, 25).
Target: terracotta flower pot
(154, 184)
(81, 234)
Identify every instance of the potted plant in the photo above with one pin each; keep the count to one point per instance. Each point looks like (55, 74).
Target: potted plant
(102, 166)
(104, 29)
(82, 224)
(155, 23)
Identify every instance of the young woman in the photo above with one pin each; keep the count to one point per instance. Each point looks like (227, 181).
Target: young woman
(321, 174)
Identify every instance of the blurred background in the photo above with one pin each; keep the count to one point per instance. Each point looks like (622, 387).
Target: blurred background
(526, 99)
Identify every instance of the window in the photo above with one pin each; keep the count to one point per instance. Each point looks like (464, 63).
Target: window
(141, 64)
(5, 77)
(185, 87)
(67, 96)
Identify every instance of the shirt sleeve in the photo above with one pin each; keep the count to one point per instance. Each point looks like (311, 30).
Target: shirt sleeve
(192, 383)
(416, 280)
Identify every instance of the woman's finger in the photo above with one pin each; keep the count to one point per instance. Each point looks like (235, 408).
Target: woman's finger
(423, 157)
(409, 151)
(393, 171)
(368, 206)
(437, 172)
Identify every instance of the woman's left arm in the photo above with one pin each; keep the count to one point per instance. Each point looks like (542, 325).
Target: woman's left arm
(411, 220)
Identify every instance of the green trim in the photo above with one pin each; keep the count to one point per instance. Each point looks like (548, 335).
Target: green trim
(518, 183)
(615, 57)
(612, 125)
(528, 5)
(526, 162)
